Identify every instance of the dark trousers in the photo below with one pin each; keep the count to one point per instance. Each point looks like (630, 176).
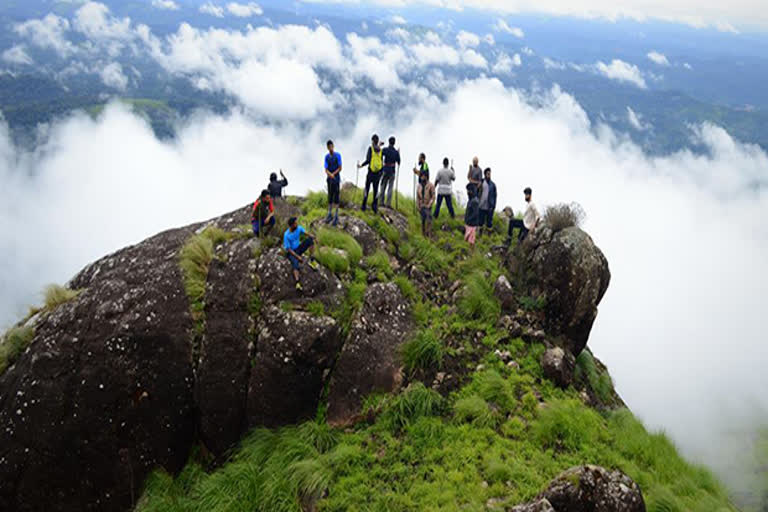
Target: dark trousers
(448, 202)
(387, 186)
(486, 218)
(372, 178)
(517, 223)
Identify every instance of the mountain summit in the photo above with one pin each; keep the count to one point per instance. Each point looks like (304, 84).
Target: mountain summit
(188, 372)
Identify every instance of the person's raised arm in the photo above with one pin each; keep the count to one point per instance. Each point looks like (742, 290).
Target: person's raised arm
(284, 181)
(367, 159)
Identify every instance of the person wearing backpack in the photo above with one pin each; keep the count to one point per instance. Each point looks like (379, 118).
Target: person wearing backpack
(391, 161)
(263, 215)
(444, 181)
(374, 159)
(471, 215)
(275, 186)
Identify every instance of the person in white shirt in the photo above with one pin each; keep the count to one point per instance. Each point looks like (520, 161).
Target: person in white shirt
(444, 181)
(528, 223)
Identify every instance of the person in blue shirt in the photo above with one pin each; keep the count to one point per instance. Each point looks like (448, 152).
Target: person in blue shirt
(391, 161)
(295, 247)
(333, 177)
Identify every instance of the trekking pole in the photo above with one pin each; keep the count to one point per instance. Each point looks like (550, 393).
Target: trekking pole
(357, 175)
(414, 192)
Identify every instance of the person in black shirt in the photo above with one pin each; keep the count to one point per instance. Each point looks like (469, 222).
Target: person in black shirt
(391, 160)
(275, 186)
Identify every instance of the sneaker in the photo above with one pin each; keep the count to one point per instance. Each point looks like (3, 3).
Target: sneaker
(335, 221)
(298, 286)
(313, 264)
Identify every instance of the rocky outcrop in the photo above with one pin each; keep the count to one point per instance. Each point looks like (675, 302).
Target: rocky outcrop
(588, 489)
(505, 293)
(370, 359)
(317, 285)
(368, 239)
(572, 274)
(558, 366)
(294, 353)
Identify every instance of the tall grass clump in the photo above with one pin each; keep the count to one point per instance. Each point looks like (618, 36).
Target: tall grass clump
(353, 301)
(335, 260)
(423, 352)
(586, 371)
(56, 295)
(341, 240)
(561, 216)
(568, 425)
(475, 411)
(379, 263)
(12, 344)
(415, 402)
(407, 288)
(478, 301)
(315, 200)
(425, 253)
(194, 259)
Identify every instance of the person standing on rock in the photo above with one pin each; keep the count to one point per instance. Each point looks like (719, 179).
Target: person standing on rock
(263, 215)
(425, 199)
(333, 177)
(391, 161)
(295, 247)
(444, 182)
(471, 216)
(487, 202)
(528, 223)
(275, 186)
(475, 175)
(374, 159)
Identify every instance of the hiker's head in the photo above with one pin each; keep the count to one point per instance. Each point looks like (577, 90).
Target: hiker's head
(265, 194)
(293, 223)
(329, 145)
(487, 173)
(445, 162)
(273, 176)
(375, 139)
(475, 161)
(392, 141)
(528, 192)
(422, 158)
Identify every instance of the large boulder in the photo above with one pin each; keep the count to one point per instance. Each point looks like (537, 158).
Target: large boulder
(276, 281)
(540, 505)
(294, 353)
(594, 489)
(573, 276)
(370, 359)
(558, 366)
(105, 391)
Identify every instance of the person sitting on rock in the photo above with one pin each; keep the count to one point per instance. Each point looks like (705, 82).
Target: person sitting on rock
(528, 223)
(471, 215)
(295, 247)
(263, 215)
(425, 198)
(275, 186)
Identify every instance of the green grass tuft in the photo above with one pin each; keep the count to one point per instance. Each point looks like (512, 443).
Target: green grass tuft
(341, 240)
(12, 344)
(407, 288)
(478, 301)
(378, 262)
(474, 410)
(415, 402)
(316, 308)
(586, 371)
(423, 352)
(56, 295)
(335, 260)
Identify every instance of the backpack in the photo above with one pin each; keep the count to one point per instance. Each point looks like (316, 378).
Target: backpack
(377, 160)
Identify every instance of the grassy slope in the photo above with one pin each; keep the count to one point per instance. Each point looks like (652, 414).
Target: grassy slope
(496, 440)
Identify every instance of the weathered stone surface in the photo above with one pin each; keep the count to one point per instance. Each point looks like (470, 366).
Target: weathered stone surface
(504, 292)
(293, 353)
(358, 229)
(573, 275)
(541, 505)
(594, 489)
(558, 366)
(105, 391)
(370, 359)
(277, 284)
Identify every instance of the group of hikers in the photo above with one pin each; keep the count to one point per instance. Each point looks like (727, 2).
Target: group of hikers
(383, 164)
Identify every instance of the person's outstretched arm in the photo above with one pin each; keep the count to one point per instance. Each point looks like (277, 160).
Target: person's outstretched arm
(367, 159)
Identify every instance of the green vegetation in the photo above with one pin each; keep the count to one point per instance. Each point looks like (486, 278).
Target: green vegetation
(353, 301)
(316, 308)
(335, 260)
(423, 351)
(478, 301)
(586, 371)
(56, 295)
(531, 304)
(378, 262)
(406, 287)
(12, 344)
(338, 251)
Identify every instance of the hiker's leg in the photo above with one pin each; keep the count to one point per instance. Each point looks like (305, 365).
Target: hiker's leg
(391, 188)
(523, 232)
(449, 204)
(437, 206)
(255, 226)
(489, 220)
(367, 187)
(375, 182)
(269, 226)
(480, 224)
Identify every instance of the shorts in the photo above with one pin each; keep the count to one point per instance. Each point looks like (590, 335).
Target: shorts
(301, 249)
(470, 232)
(333, 192)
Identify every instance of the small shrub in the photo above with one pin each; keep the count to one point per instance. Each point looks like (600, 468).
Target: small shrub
(473, 409)
(586, 371)
(56, 295)
(415, 402)
(568, 425)
(426, 254)
(406, 287)
(478, 301)
(379, 262)
(423, 351)
(340, 240)
(13, 344)
(494, 388)
(194, 259)
(497, 471)
(353, 301)
(513, 428)
(216, 235)
(335, 260)
(561, 216)
(531, 304)
(315, 200)
(316, 308)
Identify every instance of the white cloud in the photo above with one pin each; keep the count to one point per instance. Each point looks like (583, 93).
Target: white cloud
(399, 34)
(552, 64)
(527, 51)
(622, 72)
(17, 55)
(467, 39)
(398, 20)
(112, 75)
(95, 22)
(687, 66)
(658, 58)
(489, 39)
(502, 26)
(48, 33)
(505, 63)
(635, 120)
(213, 10)
(473, 59)
(244, 10)
(168, 5)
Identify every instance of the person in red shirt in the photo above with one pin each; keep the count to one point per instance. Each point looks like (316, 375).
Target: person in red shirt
(263, 215)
